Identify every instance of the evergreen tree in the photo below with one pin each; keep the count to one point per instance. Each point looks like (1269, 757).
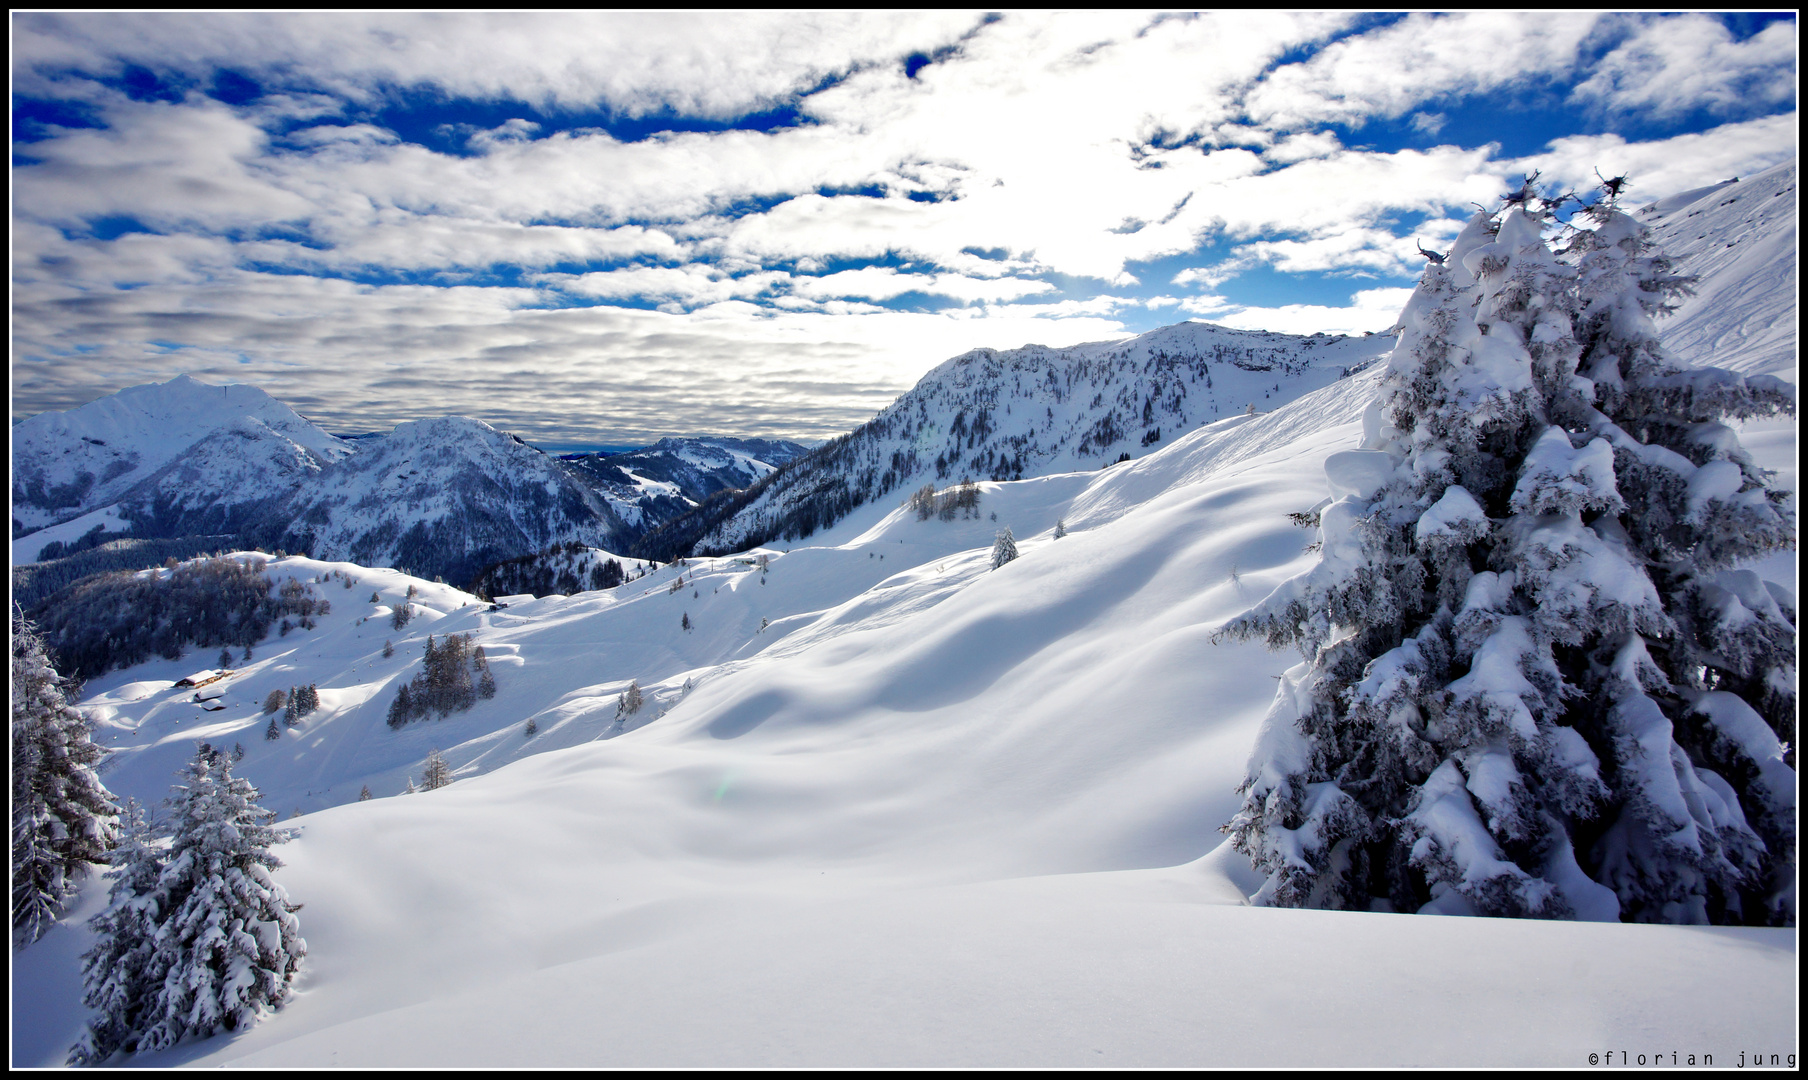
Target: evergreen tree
(1004, 549)
(630, 700)
(292, 710)
(117, 971)
(1525, 640)
(409, 789)
(272, 733)
(225, 660)
(63, 818)
(531, 728)
(224, 941)
(401, 710)
(1060, 528)
(686, 624)
(388, 649)
(437, 773)
(486, 685)
(364, 793)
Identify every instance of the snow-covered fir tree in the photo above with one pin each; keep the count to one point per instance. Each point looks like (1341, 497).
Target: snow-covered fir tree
(224, 942)
(1004, 549)
(117, 972)
(1535, 682)
(630, 701)
(64, 819)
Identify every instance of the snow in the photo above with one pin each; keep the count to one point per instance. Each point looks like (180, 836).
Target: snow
(884, 807)
(1361, 473)
(120, 440)
(1741, 239)
(25, 550)
(869, 826)
(1455, 515)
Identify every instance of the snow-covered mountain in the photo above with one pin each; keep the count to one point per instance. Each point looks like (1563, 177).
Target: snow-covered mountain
(650, 486)
(181, 449)
(446, 497)
(1739, 237)
(1034, 411)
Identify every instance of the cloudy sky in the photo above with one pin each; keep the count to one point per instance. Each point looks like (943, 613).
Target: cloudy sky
(599, 229)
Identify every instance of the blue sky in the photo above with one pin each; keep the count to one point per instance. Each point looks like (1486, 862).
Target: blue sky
(600, 229)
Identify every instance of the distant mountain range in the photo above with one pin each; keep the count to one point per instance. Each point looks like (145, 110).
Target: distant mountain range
(443, 497)
(450, 496)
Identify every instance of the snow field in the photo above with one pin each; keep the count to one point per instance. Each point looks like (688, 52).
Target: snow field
(915, 825)
(932, 815)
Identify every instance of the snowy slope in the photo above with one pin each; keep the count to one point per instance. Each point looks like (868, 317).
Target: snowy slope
(70, 463)
(230, 481)
(915, 820)
(447, 496)
(1740, 238)
(1032, 411)
(909, 812)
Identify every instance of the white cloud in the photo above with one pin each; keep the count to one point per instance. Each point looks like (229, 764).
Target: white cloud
(1665, 166)
(1679, 63)
(361, 358)
(1424, 57)
(1074, 143)
(885, 283)
(1369, 311)
(686, 285)
(633, 62)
